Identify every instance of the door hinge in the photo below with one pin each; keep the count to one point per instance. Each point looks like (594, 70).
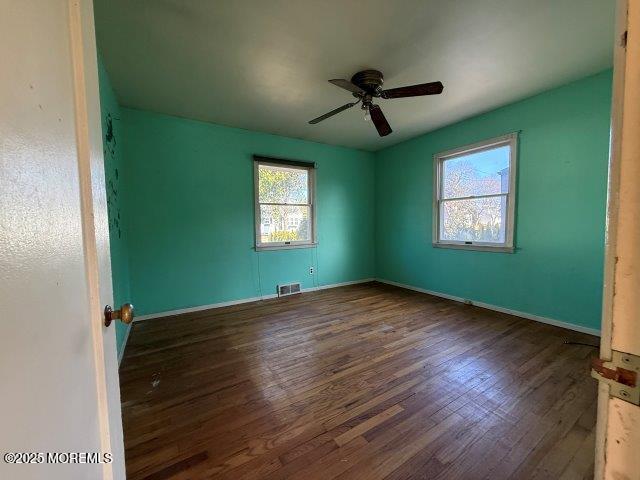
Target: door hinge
(623, 39)
(621, 373)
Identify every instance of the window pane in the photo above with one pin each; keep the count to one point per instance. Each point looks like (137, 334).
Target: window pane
(284, 223)
(474, 220)
(482, 173)
(283, 185)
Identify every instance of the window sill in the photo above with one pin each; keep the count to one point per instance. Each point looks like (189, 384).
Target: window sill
(478, 248)
(285, 247)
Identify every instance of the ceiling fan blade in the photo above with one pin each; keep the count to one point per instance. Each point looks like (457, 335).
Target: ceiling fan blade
(379, 121)
(433, 88)
(332, 113)
(347, 85)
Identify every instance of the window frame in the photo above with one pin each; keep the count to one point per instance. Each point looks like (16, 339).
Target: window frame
(310, 167)
(508, 246)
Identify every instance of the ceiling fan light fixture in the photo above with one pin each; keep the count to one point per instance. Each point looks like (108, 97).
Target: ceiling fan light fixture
(367, 85)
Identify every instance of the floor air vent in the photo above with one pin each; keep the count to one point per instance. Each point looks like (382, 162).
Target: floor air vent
(288, 289)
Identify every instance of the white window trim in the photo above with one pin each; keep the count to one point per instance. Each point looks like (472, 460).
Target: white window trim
(508, 246)
(311, 179)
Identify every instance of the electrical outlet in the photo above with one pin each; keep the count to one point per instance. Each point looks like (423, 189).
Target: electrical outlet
(311, 270)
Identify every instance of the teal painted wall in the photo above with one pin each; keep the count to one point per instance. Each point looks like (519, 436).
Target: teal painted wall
(114, 167)
(556, 271)
(190, 199)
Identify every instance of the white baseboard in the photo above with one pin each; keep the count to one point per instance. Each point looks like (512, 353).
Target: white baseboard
(335, 285)
(200, 308)
(211, 306)
(529, 316)
(124, 345)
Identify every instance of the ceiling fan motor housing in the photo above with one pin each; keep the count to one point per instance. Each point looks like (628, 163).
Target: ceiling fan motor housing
(369, 80)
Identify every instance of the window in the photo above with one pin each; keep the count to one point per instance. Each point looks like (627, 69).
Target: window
(284, 193)
(474, 196)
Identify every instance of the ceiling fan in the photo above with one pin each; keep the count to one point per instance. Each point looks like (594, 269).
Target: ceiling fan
(366, 86)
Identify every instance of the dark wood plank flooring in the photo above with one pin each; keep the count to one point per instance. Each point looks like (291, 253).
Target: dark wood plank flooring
(361, 382)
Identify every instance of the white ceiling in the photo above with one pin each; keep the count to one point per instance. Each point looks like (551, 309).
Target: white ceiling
(264, 64)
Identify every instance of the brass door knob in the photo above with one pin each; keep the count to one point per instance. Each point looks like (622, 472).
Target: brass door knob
(125, 314)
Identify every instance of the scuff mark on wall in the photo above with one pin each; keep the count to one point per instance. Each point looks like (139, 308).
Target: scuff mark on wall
(113, 178)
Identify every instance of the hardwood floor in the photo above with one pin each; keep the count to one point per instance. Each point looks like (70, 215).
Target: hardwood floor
(361, 382)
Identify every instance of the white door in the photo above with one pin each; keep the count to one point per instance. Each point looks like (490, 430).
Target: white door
(618, 427)
(59, 390)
